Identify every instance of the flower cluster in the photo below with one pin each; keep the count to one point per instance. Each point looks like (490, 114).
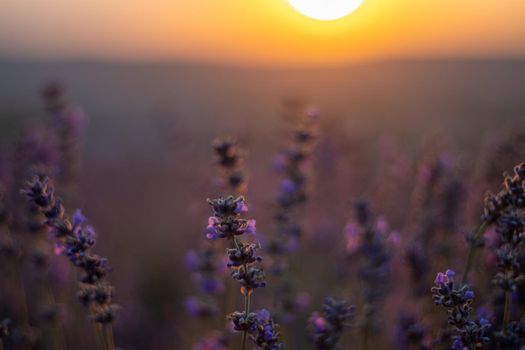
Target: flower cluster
(266, 335)
(457, 300)
(506, 211)
(244, 263)
(325, 328)
(230, 160)
(226, 221)
(75, 240)
(510, 228)
(511, 196)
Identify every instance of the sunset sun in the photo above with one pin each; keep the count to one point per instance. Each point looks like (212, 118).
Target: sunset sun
(325, 10)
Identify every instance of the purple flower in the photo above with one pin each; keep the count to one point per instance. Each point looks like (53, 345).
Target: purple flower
(250, 227)
(318, 322)
(457, 300)
(263, 315)
(458, 345)
(212, 230)
(76, 242)
(266, 335)
(78, 218)
(440, 278)
(287, 187)
(240, 207)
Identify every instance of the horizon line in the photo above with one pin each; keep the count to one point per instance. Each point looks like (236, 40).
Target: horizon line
(258, 66)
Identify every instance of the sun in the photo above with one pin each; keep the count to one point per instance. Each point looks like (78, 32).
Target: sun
(325, 10)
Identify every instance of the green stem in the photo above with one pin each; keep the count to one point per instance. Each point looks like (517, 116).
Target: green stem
(506, 312)
(472, 249)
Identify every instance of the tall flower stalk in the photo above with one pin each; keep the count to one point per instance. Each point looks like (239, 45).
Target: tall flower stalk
(75, 240)
(205, 263)
(244, 263)
(457, 299)
(510, 198)
(294, 163)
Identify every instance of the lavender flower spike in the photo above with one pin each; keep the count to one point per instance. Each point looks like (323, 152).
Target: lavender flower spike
(457, 300)
(325, 328)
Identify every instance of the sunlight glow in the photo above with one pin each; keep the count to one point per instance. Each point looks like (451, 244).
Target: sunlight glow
(325, 10)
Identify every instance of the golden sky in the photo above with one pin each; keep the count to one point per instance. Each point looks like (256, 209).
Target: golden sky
(258, 32)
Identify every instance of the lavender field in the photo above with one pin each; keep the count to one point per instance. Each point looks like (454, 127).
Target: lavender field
(171, 206)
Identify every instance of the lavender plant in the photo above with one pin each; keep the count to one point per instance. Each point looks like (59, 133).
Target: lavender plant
(230, 161)
(457, 299)
(293, 193)
(367, 246)
(227, 223)
(75, 240)
(205, 263)
(509, 251)
(510, 198)
(325, 328)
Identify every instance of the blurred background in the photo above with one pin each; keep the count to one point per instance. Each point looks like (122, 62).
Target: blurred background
(400, 85)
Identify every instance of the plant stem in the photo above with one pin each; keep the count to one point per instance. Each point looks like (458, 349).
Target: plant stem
(247, 297)
(109, 336)
(472, 249)
(365, 336)
(506, 311)
(1, 345)
(99, 334)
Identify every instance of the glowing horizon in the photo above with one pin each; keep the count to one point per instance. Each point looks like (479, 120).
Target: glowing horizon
(259, 32)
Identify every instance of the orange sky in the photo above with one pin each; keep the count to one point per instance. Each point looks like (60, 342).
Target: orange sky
(258, 32)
